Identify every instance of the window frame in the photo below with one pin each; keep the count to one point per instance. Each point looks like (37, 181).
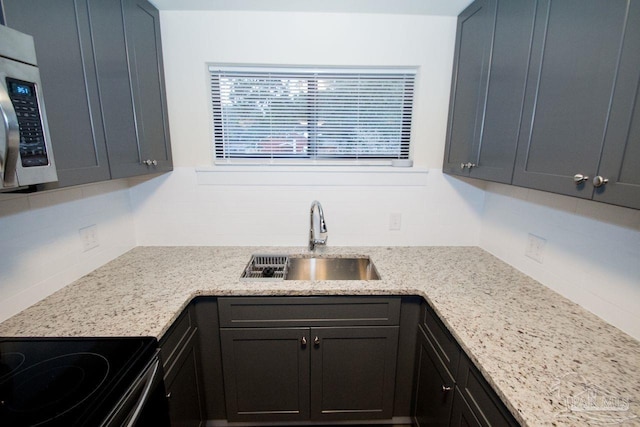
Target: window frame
(405, 148)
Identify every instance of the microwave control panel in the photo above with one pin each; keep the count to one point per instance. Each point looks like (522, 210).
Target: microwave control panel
(33, 151)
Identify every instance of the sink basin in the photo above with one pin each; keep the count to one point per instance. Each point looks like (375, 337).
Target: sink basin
(331, 269)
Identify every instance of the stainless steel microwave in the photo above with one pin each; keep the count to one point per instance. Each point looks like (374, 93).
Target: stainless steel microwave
(26, 156)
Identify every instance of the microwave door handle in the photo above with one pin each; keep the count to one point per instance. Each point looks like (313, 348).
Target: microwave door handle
(9, 139)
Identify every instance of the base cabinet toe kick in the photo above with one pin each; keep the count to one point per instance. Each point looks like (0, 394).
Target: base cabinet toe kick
(321, 360)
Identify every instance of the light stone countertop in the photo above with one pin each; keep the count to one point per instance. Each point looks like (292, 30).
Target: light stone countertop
(540, 351)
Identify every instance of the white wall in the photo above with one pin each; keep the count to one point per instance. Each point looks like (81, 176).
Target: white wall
(229, 205)
(40, 242)
(190, 40)
(591, 254)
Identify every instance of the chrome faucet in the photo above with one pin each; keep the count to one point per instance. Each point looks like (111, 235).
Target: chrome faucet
(313, 241)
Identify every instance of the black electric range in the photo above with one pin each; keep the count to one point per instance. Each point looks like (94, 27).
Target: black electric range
(78, 381)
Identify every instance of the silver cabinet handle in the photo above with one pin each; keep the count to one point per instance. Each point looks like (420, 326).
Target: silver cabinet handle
(445, 388)
(303, 341)
(150, 162)
(579, 178)
(599, 181)
(316, 341)
(467, 165)
(155, 163)
(463, 165)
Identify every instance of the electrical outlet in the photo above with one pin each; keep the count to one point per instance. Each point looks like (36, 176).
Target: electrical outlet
(89, 237)
(535, 247)
(395, 221)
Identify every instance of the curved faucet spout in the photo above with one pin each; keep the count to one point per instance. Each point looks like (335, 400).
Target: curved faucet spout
(319, 238)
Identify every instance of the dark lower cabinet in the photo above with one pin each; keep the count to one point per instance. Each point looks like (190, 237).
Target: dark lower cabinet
(462, 414)
(434, 387)
(295, 360)
(449, 390)
(183, 388)
(353, 372)
(307, 363)
(180, 354)
(475, 402)
(266, 373)
(297, 374)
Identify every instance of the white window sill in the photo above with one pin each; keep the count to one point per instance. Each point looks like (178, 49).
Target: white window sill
(306, 175)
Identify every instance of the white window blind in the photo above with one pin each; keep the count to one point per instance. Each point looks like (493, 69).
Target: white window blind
(317, 114)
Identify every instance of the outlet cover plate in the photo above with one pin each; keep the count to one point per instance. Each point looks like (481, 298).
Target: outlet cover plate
(535, 247)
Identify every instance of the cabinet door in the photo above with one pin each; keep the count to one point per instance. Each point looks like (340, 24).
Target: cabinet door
(574, 62)
(266, 373)
(353, 372)
(434, 388)
(183, 385)
(621, 155)
(115, 88)
(494, 151)
(144, 51)
(462, 415)
(469, 84)
(62, 36)
(481, 398)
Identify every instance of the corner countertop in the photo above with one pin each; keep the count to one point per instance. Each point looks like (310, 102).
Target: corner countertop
(541, 352)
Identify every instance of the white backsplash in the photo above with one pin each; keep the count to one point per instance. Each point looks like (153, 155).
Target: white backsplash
(176, 210)
(591, 254)
(40, 240)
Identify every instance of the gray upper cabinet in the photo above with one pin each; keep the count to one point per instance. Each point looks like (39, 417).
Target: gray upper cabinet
(621, 152)
(102, 75)
(150, 150)
(545, 95)
(62, 35)
(468, 87)
(582, 51)
(493, 43)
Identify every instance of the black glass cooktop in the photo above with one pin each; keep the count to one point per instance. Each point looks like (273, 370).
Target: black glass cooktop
(67, 381)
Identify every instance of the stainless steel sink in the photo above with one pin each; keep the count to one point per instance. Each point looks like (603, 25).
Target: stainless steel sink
(322, 268)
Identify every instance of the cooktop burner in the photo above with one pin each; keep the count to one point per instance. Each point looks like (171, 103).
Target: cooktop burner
(66, 381)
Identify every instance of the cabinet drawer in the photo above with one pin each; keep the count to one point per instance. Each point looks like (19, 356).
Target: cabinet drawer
(176, 336)
(480, 397)
(308, 311)
(443, 342)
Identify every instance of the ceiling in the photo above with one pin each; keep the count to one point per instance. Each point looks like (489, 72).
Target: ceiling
(402, 7)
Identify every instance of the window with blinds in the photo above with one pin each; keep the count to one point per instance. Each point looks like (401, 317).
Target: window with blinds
(317, 114)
